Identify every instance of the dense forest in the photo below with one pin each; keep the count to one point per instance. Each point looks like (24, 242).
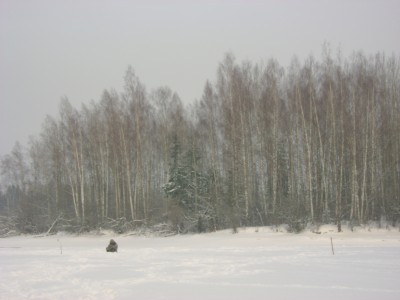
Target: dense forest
(316, 142)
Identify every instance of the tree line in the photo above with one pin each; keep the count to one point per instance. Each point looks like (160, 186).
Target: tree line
(316, 142)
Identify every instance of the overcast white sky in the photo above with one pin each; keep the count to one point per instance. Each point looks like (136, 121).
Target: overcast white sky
(53, 48)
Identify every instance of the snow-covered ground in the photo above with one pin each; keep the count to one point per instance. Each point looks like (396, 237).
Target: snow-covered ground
(253, 264)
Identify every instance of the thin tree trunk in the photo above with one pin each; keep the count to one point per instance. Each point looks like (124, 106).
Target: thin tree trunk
(308, 147)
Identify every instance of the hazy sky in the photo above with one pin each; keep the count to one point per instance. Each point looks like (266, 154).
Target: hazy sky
(50, 49)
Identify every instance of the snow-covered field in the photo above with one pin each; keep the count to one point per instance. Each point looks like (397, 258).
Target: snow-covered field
(253, 264)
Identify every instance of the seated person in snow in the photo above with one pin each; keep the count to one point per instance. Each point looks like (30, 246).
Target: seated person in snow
(112, 246)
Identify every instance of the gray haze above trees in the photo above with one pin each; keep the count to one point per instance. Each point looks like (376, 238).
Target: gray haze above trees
(317, 142)
(53, 48)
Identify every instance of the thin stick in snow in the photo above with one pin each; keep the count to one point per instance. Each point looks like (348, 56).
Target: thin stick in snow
(333, 252)
(59, 241)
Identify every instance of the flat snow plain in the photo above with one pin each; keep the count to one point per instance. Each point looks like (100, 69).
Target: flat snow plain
(253, 264)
